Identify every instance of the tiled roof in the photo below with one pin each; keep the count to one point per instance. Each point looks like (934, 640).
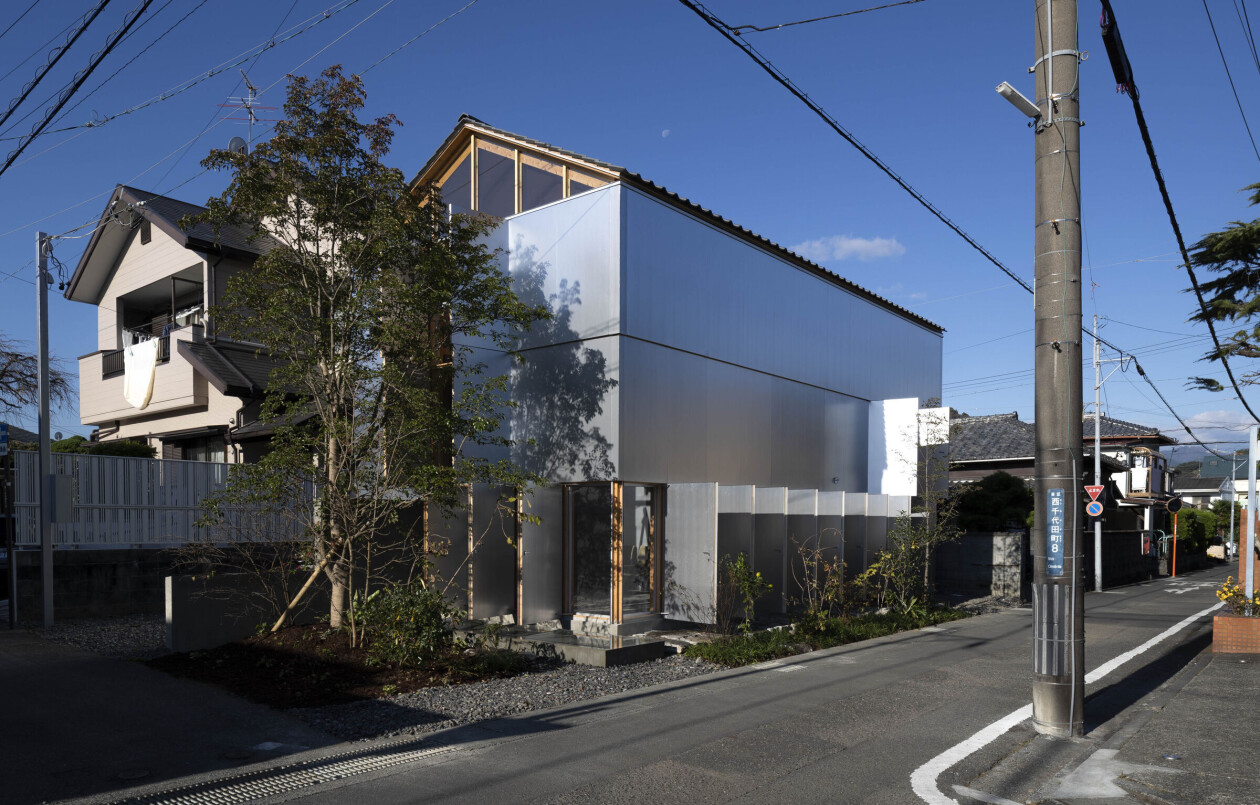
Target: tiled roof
(1187, 484)
(234, 370)
(676, 200)
(1111, 428)
(986, 438)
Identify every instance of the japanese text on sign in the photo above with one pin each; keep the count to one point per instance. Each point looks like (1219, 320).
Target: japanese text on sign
(1056, 515)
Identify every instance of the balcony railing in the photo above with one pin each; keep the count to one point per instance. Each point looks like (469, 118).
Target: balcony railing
(112, 362)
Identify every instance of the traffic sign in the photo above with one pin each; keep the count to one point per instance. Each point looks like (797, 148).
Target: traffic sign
(1094, 490)
(1174, 505)
(4, 439)
(1094, 508)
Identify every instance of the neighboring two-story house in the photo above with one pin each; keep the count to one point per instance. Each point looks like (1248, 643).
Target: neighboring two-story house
(159, 373)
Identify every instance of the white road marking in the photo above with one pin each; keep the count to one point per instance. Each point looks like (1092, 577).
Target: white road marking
(983, 797)
(785, 669)
(923, 780)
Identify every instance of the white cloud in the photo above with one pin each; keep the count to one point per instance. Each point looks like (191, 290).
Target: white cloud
(1211, 426)
(842, 247)
(665, 133)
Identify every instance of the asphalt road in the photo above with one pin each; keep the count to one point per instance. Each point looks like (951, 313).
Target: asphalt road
(843, 725)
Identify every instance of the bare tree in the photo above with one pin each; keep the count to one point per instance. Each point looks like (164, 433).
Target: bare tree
(19, 378)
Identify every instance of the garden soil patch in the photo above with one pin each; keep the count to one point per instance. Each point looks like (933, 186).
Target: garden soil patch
(312, 666)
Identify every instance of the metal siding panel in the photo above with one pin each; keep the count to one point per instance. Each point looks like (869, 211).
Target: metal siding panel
(730, 300)
(494, 553)
(691, 538)
(803, 539)
(854, 533)
(542, 557)
(448, 534)
(686, 419)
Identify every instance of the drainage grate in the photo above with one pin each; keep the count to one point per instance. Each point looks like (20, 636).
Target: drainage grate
(267, 783)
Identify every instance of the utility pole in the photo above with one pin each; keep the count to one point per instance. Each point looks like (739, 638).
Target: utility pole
(43, 245)
(1098, 551)
(1248, 546)
(1058, 591)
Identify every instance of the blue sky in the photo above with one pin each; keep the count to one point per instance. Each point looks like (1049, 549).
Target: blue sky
(648, 85)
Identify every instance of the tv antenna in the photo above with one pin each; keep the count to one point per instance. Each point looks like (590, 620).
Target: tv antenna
(246, 104)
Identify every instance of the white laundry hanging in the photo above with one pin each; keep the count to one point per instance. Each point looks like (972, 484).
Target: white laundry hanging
(139, 366)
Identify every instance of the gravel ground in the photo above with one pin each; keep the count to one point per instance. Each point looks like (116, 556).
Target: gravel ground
(551, 685)
(438, 708)
(128, 637)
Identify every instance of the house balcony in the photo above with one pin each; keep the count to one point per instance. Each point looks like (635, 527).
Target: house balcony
(176, 384)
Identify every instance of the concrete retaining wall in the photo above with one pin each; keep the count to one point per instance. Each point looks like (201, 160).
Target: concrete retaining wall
(982, 563)
(94, 583)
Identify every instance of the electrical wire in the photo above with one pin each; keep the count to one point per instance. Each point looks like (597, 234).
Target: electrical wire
(37, 51)
(1228, 75)
(426, 31)
(738, 29)
(78, 81)
(53, 58)
(1245, 21)
(19, 19)
(787, 83)
(198, 79)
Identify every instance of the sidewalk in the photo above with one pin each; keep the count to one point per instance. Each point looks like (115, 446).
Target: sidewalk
(1182, 739)
(77, 724)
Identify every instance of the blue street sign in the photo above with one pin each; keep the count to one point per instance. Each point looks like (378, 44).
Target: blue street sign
(1094, 508)
(4, 439)
(1056, 523)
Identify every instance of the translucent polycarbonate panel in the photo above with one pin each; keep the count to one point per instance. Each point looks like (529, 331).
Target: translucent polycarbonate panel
(689, 552)
(494, 552)
(876, 526)
(564, 423)
(457, 188)
(854, 533)
(831, 526)
(496, 180)
(691, 286)
(802, 541)
(542, 556)
(770, 547)
(892, 447)
(447, 541)
(590, 559)
(640, 519)
(735, 527)
(542, 182)
(685, 419)
(567, 257)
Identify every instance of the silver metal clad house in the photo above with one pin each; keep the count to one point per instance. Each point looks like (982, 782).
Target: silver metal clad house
(687, 355)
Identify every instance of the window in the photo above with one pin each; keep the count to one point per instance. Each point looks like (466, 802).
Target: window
(581, 182)
(205, 448)
(542, 182)
(456, 188)
(146, 231)
(496, 179)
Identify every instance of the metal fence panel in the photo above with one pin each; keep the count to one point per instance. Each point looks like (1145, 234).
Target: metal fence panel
(129, 502)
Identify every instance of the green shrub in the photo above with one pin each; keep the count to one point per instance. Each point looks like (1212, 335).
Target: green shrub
(1194, 528)
(739, 650)
(405, 625)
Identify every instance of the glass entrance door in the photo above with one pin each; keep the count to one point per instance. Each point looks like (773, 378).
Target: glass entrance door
(590, 529)
(613, 549)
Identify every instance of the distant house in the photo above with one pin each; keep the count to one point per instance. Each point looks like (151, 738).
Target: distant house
(1134, 470)
(181, 388)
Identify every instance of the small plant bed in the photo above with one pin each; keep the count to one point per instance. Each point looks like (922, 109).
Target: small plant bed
(744, 649)
(309, 666)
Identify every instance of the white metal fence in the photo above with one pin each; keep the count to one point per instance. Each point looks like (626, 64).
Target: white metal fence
(127, 502)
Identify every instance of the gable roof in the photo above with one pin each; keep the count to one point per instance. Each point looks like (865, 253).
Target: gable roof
(468, 123)
(126, 208)
(1110, 428)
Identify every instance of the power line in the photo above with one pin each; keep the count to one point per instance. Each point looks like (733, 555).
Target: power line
(79, 79)
(1225, 63)
(1245, 20)
(19, 19)
(55, 57)
(198, 79)
(1115, 50)
(790, 86)
(430, 28)
(726, 31)
(36, 52)
(754, 29)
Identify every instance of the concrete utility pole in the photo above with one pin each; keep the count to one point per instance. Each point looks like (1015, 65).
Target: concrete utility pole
(1248, 546)
(43, 245)
(1098, 551)
(1058, 589)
